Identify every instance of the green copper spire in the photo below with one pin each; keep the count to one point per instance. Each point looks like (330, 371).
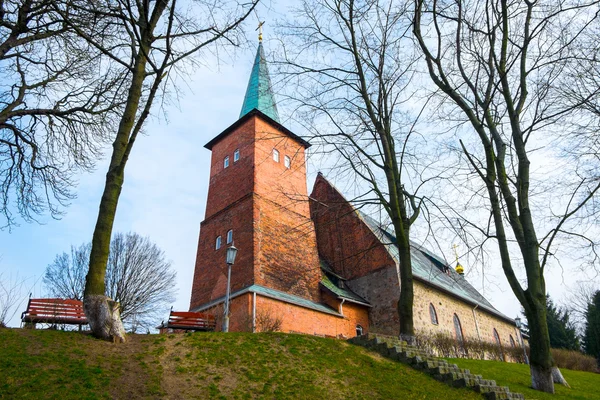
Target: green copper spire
(259, 94)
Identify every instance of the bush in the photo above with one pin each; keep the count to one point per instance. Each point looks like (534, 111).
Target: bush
(572, 359)
(444, 345)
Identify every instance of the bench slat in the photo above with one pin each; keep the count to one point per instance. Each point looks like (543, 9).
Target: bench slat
(189, 320)
(58, 311)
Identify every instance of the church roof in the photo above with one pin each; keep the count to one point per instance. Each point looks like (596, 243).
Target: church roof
(259, 94)
(432, 269)
(265, 117)
(335, 284)
(274, 294)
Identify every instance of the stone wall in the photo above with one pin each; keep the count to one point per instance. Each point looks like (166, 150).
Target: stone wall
(381, 289)
(476, 323)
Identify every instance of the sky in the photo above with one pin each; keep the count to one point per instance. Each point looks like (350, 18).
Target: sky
(165, 190)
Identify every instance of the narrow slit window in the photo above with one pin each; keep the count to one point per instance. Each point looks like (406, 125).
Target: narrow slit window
(229, 236)
(226, 162)
(287, 162)
(433, 314)
(236, 155)
(218, 243)
(458, 330)
(275, 155)
(497, 337)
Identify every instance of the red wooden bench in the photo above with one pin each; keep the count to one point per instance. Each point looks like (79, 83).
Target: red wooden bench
(54, 311)
(190, 321)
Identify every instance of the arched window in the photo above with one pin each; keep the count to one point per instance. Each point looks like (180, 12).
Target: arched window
(359, 330)
(287, 162)
(236, 155)
(226, 162)
(218, 243)
(512, 342)
(458, 329)
(497, 337)
(275, 155)
(229, 236)
(433, 314)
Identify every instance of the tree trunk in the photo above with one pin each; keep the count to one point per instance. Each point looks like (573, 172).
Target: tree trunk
(557, 377)
(540, 358)
(102, 313)
(104, 318)
(405, 302)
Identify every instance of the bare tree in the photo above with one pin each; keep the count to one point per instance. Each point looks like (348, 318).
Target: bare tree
(577, 301)
(352, 64)
(65, 277)
(11, 295)
(138, 277)
(147, 40)
(500, 66)
(55, 103)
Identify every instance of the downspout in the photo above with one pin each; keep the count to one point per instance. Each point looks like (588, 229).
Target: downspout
(253, 312)
(476, 323)
(341, 311)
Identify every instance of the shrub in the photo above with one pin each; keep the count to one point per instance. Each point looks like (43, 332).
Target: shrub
(575, 360)
(444, 345)
(267, 321)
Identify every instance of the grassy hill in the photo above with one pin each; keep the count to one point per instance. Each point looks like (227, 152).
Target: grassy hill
(68, 365)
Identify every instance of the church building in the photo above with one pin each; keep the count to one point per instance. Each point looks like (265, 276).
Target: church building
(312, 264)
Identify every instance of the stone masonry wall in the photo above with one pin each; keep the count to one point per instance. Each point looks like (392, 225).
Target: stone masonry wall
(446, 306)
(381, 289)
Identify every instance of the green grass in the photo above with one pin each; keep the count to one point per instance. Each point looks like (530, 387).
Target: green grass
(584, 385)
(41, 364)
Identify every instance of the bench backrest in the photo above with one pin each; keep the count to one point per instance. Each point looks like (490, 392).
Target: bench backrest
(191, 319)
(56, 308)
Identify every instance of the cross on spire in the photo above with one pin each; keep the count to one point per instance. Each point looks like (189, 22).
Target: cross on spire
(259, 29)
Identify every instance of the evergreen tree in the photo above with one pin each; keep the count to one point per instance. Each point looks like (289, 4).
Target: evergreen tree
(562, 331)
(591, 338)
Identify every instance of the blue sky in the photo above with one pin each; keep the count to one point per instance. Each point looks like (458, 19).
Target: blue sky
(165, 190)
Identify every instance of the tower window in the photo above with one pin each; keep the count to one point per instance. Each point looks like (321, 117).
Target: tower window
(226, 162)
(236, 155)
(433, 314)
(229, 236)
(275, 155)
(218, 243)
(287, 161)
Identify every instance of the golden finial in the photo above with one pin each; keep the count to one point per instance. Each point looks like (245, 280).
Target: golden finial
(259, 29)
(459, 268)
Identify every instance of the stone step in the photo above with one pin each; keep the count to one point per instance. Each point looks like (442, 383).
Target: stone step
(438, 368)
(503, 396)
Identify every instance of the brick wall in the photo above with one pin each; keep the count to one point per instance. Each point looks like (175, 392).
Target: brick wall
(303, 320)
(266, 205)
(230, 184)
(210, 275)
(344, 240)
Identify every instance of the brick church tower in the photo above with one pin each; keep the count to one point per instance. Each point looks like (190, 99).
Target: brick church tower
(257, 199)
